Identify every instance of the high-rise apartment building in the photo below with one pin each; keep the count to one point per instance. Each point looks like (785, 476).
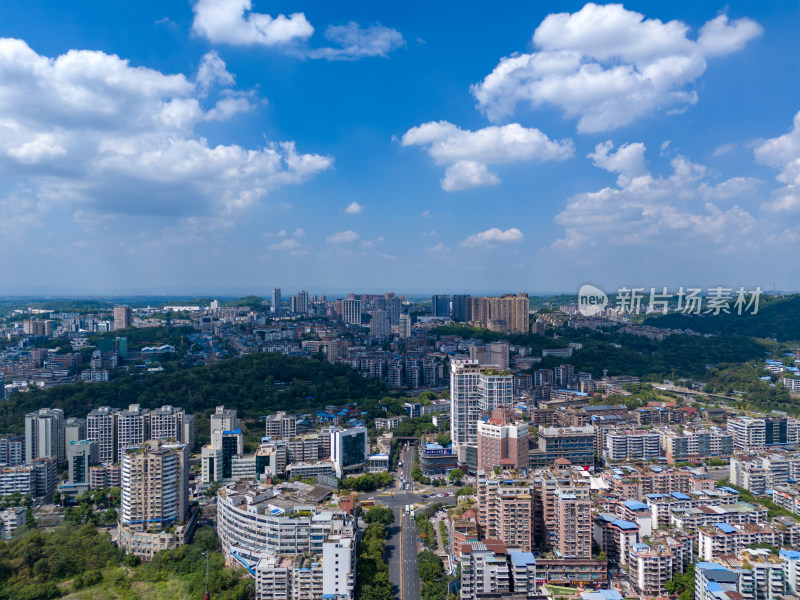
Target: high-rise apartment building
(506, 313)
(564, 375)
(133, 427)
(299, 303)
(276, 300)
(123, 317)
(351, 311)
(503, 441)
(217, 458)
(474, 389)
(573, 525)
(440, 305)
(750, 433)
(494, 353)
(44, 435)
(281, 426)
(349, 449)
(394, 306)
(404, 327)
(37, 327)
(170, 423)
(484, 571)
(632, 445)
(461, 308)
(686, 444)
(155, 496)
(223, 419)
(74, 430)
(12, 450)
(81, 456)
(379, 325)
(101, 426)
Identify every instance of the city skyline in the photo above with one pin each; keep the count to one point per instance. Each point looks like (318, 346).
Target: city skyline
(231, 147)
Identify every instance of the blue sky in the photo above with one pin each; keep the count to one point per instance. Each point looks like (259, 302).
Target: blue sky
(230, 146)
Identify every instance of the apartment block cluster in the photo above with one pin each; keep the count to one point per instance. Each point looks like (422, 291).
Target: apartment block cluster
(651, 522)
(91, 449)
(292, 446)
(143, 452)
(751, 574)
(297, 541)
(29, 363)
(647, 511)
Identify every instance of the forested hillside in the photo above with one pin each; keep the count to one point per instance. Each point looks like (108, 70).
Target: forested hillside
(257, 384)
(777, 318)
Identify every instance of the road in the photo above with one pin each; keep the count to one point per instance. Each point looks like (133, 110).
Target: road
(401, 545)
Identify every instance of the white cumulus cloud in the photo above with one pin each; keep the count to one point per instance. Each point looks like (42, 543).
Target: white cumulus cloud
(90, 132)
(783, 153)
(354, 208)
(467, 174)
(233, 22)
(493, 236)
(469, 152)
(213, 71)
(343, 237)
(628, 160)
(651, 211)
(608, 66)
(354, 42)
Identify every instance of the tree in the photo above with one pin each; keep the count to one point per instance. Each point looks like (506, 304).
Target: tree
(379, 514)
(206, 539)
(682, 584)
(468, 490)
(110, 516)
(456, 476)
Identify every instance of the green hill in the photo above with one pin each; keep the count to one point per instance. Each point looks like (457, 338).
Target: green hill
(257, 384)
(777, 318)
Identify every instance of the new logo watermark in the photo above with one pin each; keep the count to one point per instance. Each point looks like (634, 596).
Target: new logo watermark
(592, 301)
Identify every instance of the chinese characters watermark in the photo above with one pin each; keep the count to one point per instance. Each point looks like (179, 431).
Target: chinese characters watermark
(688, 301)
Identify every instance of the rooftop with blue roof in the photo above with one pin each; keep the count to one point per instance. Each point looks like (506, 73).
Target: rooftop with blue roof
(522, 558)
(635, 505)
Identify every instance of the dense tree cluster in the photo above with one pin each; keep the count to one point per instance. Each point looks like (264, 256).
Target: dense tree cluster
(678, 355)
(379, 514)
(43, 566)
(759, 395)
(434, 580)
(373, 572)
(367, 482)
(777, 318)
(682, 585)
(256, 384)
(425, 531)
